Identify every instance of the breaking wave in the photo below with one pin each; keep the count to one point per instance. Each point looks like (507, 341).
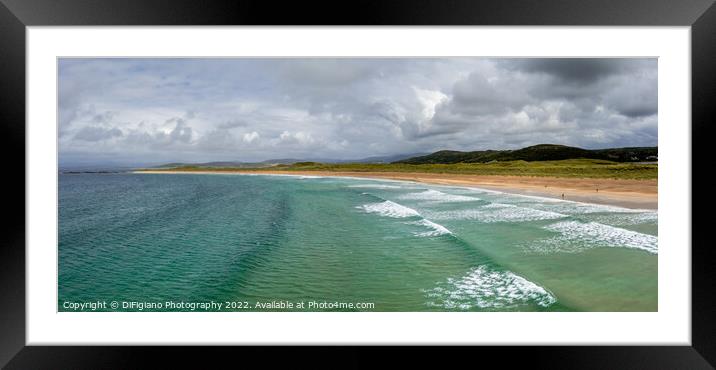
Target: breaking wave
(375, 186)
(438, 196)
(487, 288)
(593, 234)
(390, 209)
(435, 229)
(394, 210)
(497, 212)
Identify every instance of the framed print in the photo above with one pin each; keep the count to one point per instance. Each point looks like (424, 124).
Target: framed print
(400, 174)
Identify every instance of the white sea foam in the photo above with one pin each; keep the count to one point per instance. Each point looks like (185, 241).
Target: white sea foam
(496, 212)
(603, 208)
(435, 229)
(438, 196)
(562, 205)
(304, 177)
(375, 186)
(488, 288)
(395, 210)
(483, 190)
(623, 219)
(498, 205)
(587, 208)
(605, 214)
(569, 206)
(592, 234)
(389, 209)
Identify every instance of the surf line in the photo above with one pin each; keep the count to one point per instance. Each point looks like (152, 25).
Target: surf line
(388, 208)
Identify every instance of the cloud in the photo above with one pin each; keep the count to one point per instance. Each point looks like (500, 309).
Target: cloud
(103, 118)
(181, 132)
(256, 109)
(476, 95)
(95, 133)
(578, 70)
(250, 137)
(633, 96)
(301, 138)
(327, 72)
(232, 124)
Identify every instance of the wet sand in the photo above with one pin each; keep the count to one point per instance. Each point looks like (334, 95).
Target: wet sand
(642, 194)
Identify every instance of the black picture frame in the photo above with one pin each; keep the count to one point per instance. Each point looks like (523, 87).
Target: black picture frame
(16, 15)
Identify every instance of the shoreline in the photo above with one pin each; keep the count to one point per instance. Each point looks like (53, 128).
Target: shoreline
(634, 194)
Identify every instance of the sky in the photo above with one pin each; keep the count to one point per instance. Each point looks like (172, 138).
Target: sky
(160, 110)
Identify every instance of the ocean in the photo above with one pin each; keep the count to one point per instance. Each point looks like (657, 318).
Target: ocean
(192, 242)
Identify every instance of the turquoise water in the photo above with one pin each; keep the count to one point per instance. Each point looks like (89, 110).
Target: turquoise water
(172, 242)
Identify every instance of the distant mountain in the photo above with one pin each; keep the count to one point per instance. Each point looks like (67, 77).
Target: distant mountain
(274, 162)
(541, 152)
(281, 161)
(207, 164)
(379, 159)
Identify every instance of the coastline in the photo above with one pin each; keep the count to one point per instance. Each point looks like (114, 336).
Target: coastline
(635, 194)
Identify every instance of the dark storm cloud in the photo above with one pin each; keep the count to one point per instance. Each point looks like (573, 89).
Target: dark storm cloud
(580, 70)
(256, 109)
(628, 86)
(543, 95)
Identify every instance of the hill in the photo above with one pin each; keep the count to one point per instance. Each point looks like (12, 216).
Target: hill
(541, 152)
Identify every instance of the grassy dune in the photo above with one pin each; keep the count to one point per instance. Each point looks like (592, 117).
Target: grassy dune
(572, 168)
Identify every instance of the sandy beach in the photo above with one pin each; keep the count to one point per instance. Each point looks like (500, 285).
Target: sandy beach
(639, 194)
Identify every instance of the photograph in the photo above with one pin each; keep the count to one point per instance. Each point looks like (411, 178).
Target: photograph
(357, 184)
(208, 183)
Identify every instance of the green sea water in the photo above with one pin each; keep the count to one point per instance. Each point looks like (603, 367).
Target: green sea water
(188, 242)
